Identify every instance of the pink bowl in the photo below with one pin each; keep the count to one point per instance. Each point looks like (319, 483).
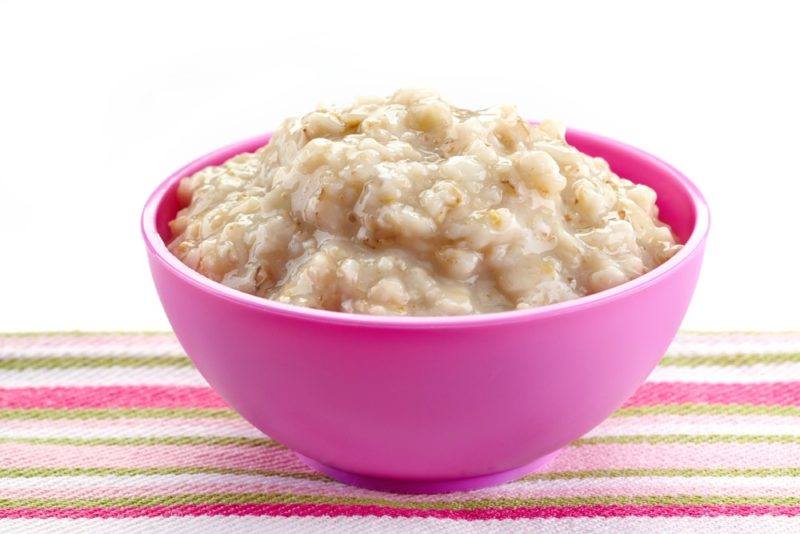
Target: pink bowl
(432, 404)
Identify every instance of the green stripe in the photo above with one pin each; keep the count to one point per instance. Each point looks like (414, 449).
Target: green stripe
(729, 360)
(71, 362)
(686, 438)
(288, 498)
(177, 360)
(707, 409)
(684, 473)
(31, 472)
(83, 333)
(119, 413)
(270, 443)
(159, 440)
(224, 413)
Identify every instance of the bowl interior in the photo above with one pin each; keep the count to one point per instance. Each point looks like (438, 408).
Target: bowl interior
(675, 203)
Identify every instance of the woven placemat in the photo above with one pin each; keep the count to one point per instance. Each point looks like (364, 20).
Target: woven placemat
(117, 432)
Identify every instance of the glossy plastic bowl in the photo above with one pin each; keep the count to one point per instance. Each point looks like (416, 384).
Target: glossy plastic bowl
(432, 404)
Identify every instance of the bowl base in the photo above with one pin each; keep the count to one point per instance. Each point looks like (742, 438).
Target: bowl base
(428, 486)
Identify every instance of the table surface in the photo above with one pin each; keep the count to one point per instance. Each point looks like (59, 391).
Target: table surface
(118, 431)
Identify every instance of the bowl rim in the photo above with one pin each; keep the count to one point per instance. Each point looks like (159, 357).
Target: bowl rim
(158, 250)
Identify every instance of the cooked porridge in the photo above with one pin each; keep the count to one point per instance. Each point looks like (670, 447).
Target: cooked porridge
(408, 205)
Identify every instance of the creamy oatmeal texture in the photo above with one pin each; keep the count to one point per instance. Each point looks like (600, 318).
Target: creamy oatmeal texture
(410, 206)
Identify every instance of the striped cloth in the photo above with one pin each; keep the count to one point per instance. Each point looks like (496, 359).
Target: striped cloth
(117, 432)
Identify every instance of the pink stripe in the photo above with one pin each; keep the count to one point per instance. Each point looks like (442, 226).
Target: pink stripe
(110, 397)
(676, 456)
(19, 455)
(322, 510)
(603, 456)
(303, 487)
(772, 394)
(180, 488)
(229, 426)
(650, 424)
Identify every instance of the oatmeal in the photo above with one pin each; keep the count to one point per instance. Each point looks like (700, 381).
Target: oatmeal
(410, 206)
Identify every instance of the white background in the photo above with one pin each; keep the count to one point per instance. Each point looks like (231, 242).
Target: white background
(99, 102)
